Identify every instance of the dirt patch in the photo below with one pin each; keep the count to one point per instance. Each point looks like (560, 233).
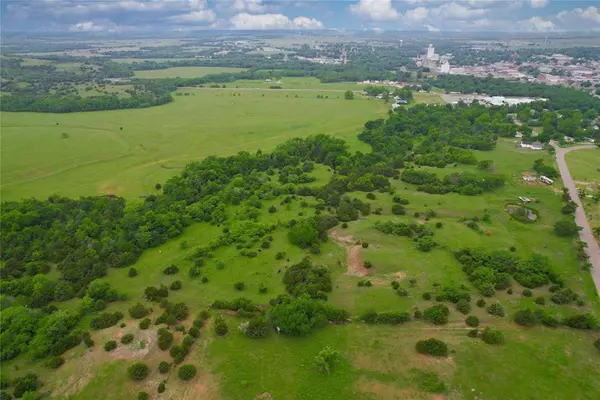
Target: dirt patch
(387, 390)
(264, 396)
(143, 342)
(355, 266)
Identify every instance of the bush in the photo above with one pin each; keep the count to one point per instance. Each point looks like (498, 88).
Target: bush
(177, 351)
(127, 338)
(566, 228)
(194, 332)
(132, 272)
(426, 296)
(365, 245)
(143, 396)
(473, 333)
(186, 372)
(138, 371)
(398, 209)
(432, 347)
(463, 306)
(87, 339)
(272, 209)
(368, 264)
(525, 317)
(163, 367)
(418, 314)
(597, 344)
(257, 327)
(54, 362)
(145, 323)
(23, 384)
(161, 387)
(344, 225)
(105, 320)
(425, 243)
(395, 285)
(438, 225)
(496, 309)
(563, 296)
(472, 321)
(176, 285)
(527, 293)
(540, 300)
(220, 326)
(110, 345)
(239, 286)
(171, 269)
(549, 321)
(165, 339)
(581, 321)
(480, 303)
(437, 314)
(491, 335)
(402, 292)
(138, 311)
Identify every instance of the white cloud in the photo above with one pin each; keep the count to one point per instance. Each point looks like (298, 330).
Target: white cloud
(90, 26)
(197, 4)
(418, 14)
(249, 5)
(375, 10)
(247, 21)
(537, 24)
(538, 3)
(590, 14)
(195, 16)
(456, 11)
(432, 28)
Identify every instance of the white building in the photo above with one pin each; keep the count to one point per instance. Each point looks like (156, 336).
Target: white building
(445, 69)
(546, 180)
(430, 52)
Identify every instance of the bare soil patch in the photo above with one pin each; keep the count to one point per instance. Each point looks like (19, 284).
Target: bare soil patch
(355, 266)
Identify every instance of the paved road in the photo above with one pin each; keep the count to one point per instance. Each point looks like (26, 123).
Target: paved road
(592, 250)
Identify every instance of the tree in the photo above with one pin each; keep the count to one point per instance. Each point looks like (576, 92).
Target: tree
(472, 321)
(525, 317)
(432, 347)
(303, 234)
(138, 371)
(349, 95)
(220, 326)
(138, 311)
(299, 316)
(491, 335)
(325, 359)
(566, 228)
(186, 372)
(132, 272)
(110, 345)
(27, 383)
(163, 367)
(437, 314)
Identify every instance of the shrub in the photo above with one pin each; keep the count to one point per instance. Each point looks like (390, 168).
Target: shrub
(395, 285)
(138, 311)
(437, 314)
(540, 300)
(480, 303)
(220, 326)
(425, 243)
(491, 335)
(105, 320)
(176, 285)
(463, 306)
(161, 387)
(344, 225)
(473, 333)
(145, 323)
(23, 384)
(165, 339)
(365, 245)
(177, 351)
(132, 272)
(325, 359)
(597, 344)
(368, 264)
(402, 292)
(257, 327)
(398, 209)
(430, 382)
(563, 296)
(472, 321)
(143, 396)
(426, 296)
(163, 367)
(186, 372)
(110, 345)
(54, 362)
(527, 293)
(566, 228)
(239, 286)
(204, 279)
(432, 347)
(194, 332)
(525, 317)
(198, 323)
(138, 371)
(496, 309)
(87, 339)
(171, 269)
(272, 209)
(581, 321)
(418, 314)
(438, 225)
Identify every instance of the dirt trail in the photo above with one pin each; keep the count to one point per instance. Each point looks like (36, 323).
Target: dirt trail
(355, 266)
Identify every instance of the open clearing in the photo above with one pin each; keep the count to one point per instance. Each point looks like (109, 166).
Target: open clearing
(584, 166)
(155, 143)
(184, 72)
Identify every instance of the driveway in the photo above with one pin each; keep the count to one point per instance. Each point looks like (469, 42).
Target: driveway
(592, 250)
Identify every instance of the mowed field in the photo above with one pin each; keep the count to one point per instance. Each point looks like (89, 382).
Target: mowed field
(584, 166)
(126, 152)
(376, 362)
(184, 72)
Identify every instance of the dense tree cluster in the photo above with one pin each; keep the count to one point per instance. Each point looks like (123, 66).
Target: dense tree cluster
(304, 278)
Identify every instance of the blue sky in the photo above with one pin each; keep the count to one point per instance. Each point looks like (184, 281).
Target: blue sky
(185, 15)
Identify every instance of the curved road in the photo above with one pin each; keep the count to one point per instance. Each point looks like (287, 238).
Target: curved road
(592, 250)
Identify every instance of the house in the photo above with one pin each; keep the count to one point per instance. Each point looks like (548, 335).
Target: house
(546, 180)
(531, 145)
(529, 178)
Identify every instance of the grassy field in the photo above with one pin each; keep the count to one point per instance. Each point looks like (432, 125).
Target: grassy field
(296, 83)
(184, 72)
(376, 362)
(584, 166)
(99, 157)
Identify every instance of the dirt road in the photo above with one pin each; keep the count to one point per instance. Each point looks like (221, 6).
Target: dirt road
(592, 250)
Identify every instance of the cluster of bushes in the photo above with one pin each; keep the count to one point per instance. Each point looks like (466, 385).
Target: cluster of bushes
(491, 271)
(165, 338)
(364, 283)
(432, 347)
(220, 326)
(527, 317)
(156, 294)
(304, 278)
(105, 320)
(179, 351)
(138, 371)
(391, 317)
(186, 372)
(437, 314)
(241, 303)
(173, 312)
(257, 327)
(464, 183)
(138, 311)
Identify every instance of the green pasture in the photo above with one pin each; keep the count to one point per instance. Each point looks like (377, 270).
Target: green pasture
(99, 157)
(184, 72)
(584, 166)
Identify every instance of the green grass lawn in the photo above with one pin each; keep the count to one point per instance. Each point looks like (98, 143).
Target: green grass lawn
(296, 83)
(156, 143)
(584, 166)
(184, 72)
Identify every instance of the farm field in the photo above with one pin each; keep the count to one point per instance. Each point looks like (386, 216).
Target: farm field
(584, 166)
(99, 157)
(184, 72)
(376, 361)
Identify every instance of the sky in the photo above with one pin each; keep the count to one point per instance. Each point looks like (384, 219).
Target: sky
(368, 15)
